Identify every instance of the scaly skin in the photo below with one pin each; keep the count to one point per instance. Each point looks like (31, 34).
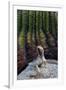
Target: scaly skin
(41, 54)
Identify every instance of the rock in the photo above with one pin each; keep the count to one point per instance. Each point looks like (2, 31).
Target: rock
(49, 71)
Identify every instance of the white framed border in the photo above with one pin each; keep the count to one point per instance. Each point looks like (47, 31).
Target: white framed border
(13, 82)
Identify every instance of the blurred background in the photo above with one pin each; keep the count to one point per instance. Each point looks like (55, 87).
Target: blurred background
(36, 28)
